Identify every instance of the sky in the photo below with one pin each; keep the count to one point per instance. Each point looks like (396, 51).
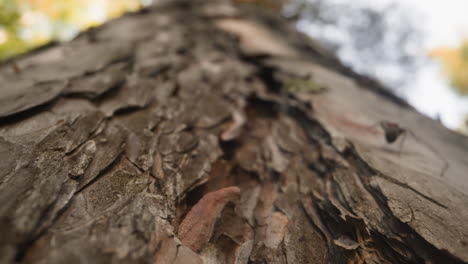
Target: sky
(444, 24)
(445, 21)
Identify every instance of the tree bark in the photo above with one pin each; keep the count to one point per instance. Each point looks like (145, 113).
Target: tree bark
(172, 136)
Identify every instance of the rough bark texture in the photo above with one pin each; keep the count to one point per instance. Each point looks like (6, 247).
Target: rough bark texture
(123, 146)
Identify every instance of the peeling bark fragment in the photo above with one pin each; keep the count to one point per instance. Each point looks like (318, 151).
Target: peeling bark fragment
(186, 143)
(19, 222)
(109, 145)
(73, 59)
(287, 135)
(164, 91)
(10, 158)
(167, 252)
(248, 202)
(250, 157)
(79, 59)
(70, 134)
(336, 199)
(80, 160)
(140, 121)
(265, 203)
(235, 128)
(233, 238)
(157, 168)
(302, 243)
(185, 255)
(362, 202)
(136, 27)
(268, 238)
(219, 9)
(346, 243)
(136, 93)
(125, 231)
(18, 97)
(197, 227)
(30, 131)
(189, 170)
(95, 85)
(311, 211)
(172, 252)
(242, 252)
(277, 227)
(177, 142)
(157, 56)
(172, 126)
(275, 158)
(265, 43)
(140, 149)
(212, 113)
(426, 217)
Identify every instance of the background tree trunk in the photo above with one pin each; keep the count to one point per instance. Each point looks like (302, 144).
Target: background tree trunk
(119, 146)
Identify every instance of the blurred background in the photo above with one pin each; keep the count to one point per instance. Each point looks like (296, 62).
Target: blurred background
(419, 49)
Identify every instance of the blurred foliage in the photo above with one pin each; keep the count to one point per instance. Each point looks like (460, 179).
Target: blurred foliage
(10, 43)
(25, 24)
(455, 64)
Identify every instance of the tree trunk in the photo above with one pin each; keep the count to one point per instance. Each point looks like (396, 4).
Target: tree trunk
(197, 132)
